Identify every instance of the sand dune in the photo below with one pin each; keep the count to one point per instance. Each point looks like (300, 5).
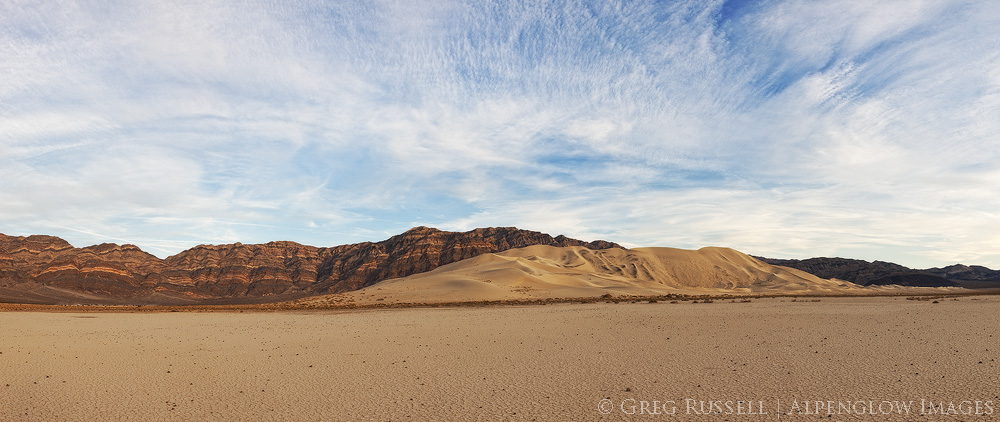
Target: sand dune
(537, 272)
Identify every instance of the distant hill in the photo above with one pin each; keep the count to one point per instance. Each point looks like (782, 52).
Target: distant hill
(971, 273)
(868, 273)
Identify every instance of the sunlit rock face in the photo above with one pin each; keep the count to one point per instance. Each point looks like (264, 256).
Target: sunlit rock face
(47, 269)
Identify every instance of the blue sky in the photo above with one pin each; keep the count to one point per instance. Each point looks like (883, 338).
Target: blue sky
(780, 128)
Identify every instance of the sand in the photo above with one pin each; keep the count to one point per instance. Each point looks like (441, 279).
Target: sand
(543, 362)
(544, 272)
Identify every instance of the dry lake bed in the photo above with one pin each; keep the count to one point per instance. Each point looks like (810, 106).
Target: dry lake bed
(863, 358)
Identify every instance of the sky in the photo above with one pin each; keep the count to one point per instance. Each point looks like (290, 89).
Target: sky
(786, 129)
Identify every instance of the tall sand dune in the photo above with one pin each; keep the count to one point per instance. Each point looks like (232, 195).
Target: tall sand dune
(537, 272)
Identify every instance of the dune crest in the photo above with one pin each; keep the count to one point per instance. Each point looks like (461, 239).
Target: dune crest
(543, 271)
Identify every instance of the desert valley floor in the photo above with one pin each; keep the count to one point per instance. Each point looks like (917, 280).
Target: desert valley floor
(865, 356)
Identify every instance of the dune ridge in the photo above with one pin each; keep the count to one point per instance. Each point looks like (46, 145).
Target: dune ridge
(542, 271)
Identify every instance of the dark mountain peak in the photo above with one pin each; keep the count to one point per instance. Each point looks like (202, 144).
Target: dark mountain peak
(961, 272)
(34, 243)
(110, 247)
(42, 238)
(420, 230)
(882, 272)
(285, 244)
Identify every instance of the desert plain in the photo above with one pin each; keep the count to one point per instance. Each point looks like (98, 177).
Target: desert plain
(778, 358)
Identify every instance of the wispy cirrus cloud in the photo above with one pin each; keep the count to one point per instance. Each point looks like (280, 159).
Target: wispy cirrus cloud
(778, 128)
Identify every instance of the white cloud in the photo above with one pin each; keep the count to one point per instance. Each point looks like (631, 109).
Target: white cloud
(789, 128)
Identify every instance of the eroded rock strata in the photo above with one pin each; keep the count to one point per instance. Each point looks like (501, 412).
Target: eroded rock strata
(47, 269)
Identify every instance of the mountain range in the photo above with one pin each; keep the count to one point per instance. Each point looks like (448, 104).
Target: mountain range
(881, 273)
(47, 269)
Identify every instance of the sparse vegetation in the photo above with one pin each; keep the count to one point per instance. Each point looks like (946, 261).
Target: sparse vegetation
(334, 302)
(927, 298)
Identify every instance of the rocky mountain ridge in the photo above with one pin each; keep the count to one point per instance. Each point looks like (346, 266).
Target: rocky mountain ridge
(47, 269)
(868, 273)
